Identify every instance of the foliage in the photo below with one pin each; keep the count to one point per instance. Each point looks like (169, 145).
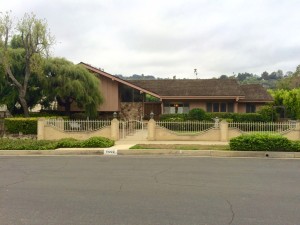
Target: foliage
(263, 142)
(25, 144)
(72, 84)
(196, 114)
(68, 143)
(290, 81)
(173, 117)
(24, 125)
(29, 144)
(237, 117)
(230, 117)
(150, 98)
(20, 57)
(268, 113)
(290, 100)
(97, 142)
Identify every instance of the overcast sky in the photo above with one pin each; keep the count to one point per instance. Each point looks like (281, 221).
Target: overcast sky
(172, 37)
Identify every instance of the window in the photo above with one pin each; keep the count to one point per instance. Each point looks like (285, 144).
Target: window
(219, 107)
(215, 107)
(174, 108)
(223, 107)
(250, 108)
(230, 107)
(208, 107)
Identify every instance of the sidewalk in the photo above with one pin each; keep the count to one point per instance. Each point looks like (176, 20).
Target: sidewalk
(122, 148)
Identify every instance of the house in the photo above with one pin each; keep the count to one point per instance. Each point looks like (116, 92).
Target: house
(131, 97)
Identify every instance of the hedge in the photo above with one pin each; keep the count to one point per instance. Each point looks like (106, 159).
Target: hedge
(20, 124)
(199, 115)
(263, 142)
(239, 117)
(24, 125)
(173, 117)
(29, 144)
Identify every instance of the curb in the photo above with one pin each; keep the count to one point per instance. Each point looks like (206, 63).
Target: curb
(165, 152)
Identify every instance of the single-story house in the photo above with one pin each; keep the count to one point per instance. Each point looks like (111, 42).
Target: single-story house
(136, 99)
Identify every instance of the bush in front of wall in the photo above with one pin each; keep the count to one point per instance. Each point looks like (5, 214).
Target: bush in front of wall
(97, 142)
(68, 143)
(263, 142)
(29, 144)
(23, 125)
(26, 144)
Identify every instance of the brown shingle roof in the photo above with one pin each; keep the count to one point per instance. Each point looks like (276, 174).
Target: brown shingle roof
(255, 92)
(189, 87)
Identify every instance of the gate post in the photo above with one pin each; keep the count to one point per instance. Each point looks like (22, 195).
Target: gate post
(151, 130)
(223, 130)
(115, 129)
(40, 129)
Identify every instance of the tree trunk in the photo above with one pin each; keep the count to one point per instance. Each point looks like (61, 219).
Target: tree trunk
(23, 102)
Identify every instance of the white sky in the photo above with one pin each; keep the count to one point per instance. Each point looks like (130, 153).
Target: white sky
(166, 38)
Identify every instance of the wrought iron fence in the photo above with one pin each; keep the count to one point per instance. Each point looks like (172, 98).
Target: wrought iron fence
(78, 125)
(188, 126)
(263, 127)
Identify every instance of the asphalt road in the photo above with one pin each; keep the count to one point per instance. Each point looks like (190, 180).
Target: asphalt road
(85, 190)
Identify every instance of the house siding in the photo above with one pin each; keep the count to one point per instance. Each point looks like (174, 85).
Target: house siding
(195, 105)
(110, 93)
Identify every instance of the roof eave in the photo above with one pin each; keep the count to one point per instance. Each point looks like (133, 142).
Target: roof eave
(91, 68)
(262, 101)
(203, 97)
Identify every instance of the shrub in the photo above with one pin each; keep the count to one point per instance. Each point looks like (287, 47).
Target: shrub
(68, 143)
(24, 125)
(238, 117)
(263, 142)
(97, 142)
(268, 113)
(27, 144)
(296, 146)
(196, 114)
(173, 117)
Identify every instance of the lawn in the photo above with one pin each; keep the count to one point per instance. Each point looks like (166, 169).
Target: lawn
(181, 147)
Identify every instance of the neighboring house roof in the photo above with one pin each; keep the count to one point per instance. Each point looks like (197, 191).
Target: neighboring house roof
(192, 88)
(256, 93)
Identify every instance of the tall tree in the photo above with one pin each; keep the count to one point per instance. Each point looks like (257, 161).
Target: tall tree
(72, 84)
(32, 41)
(291, 81)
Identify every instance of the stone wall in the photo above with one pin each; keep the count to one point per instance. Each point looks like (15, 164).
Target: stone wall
(131, 111)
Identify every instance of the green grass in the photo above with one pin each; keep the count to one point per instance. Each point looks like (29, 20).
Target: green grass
(180, 147)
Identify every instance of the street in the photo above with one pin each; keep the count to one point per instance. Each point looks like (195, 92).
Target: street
(81, 190)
